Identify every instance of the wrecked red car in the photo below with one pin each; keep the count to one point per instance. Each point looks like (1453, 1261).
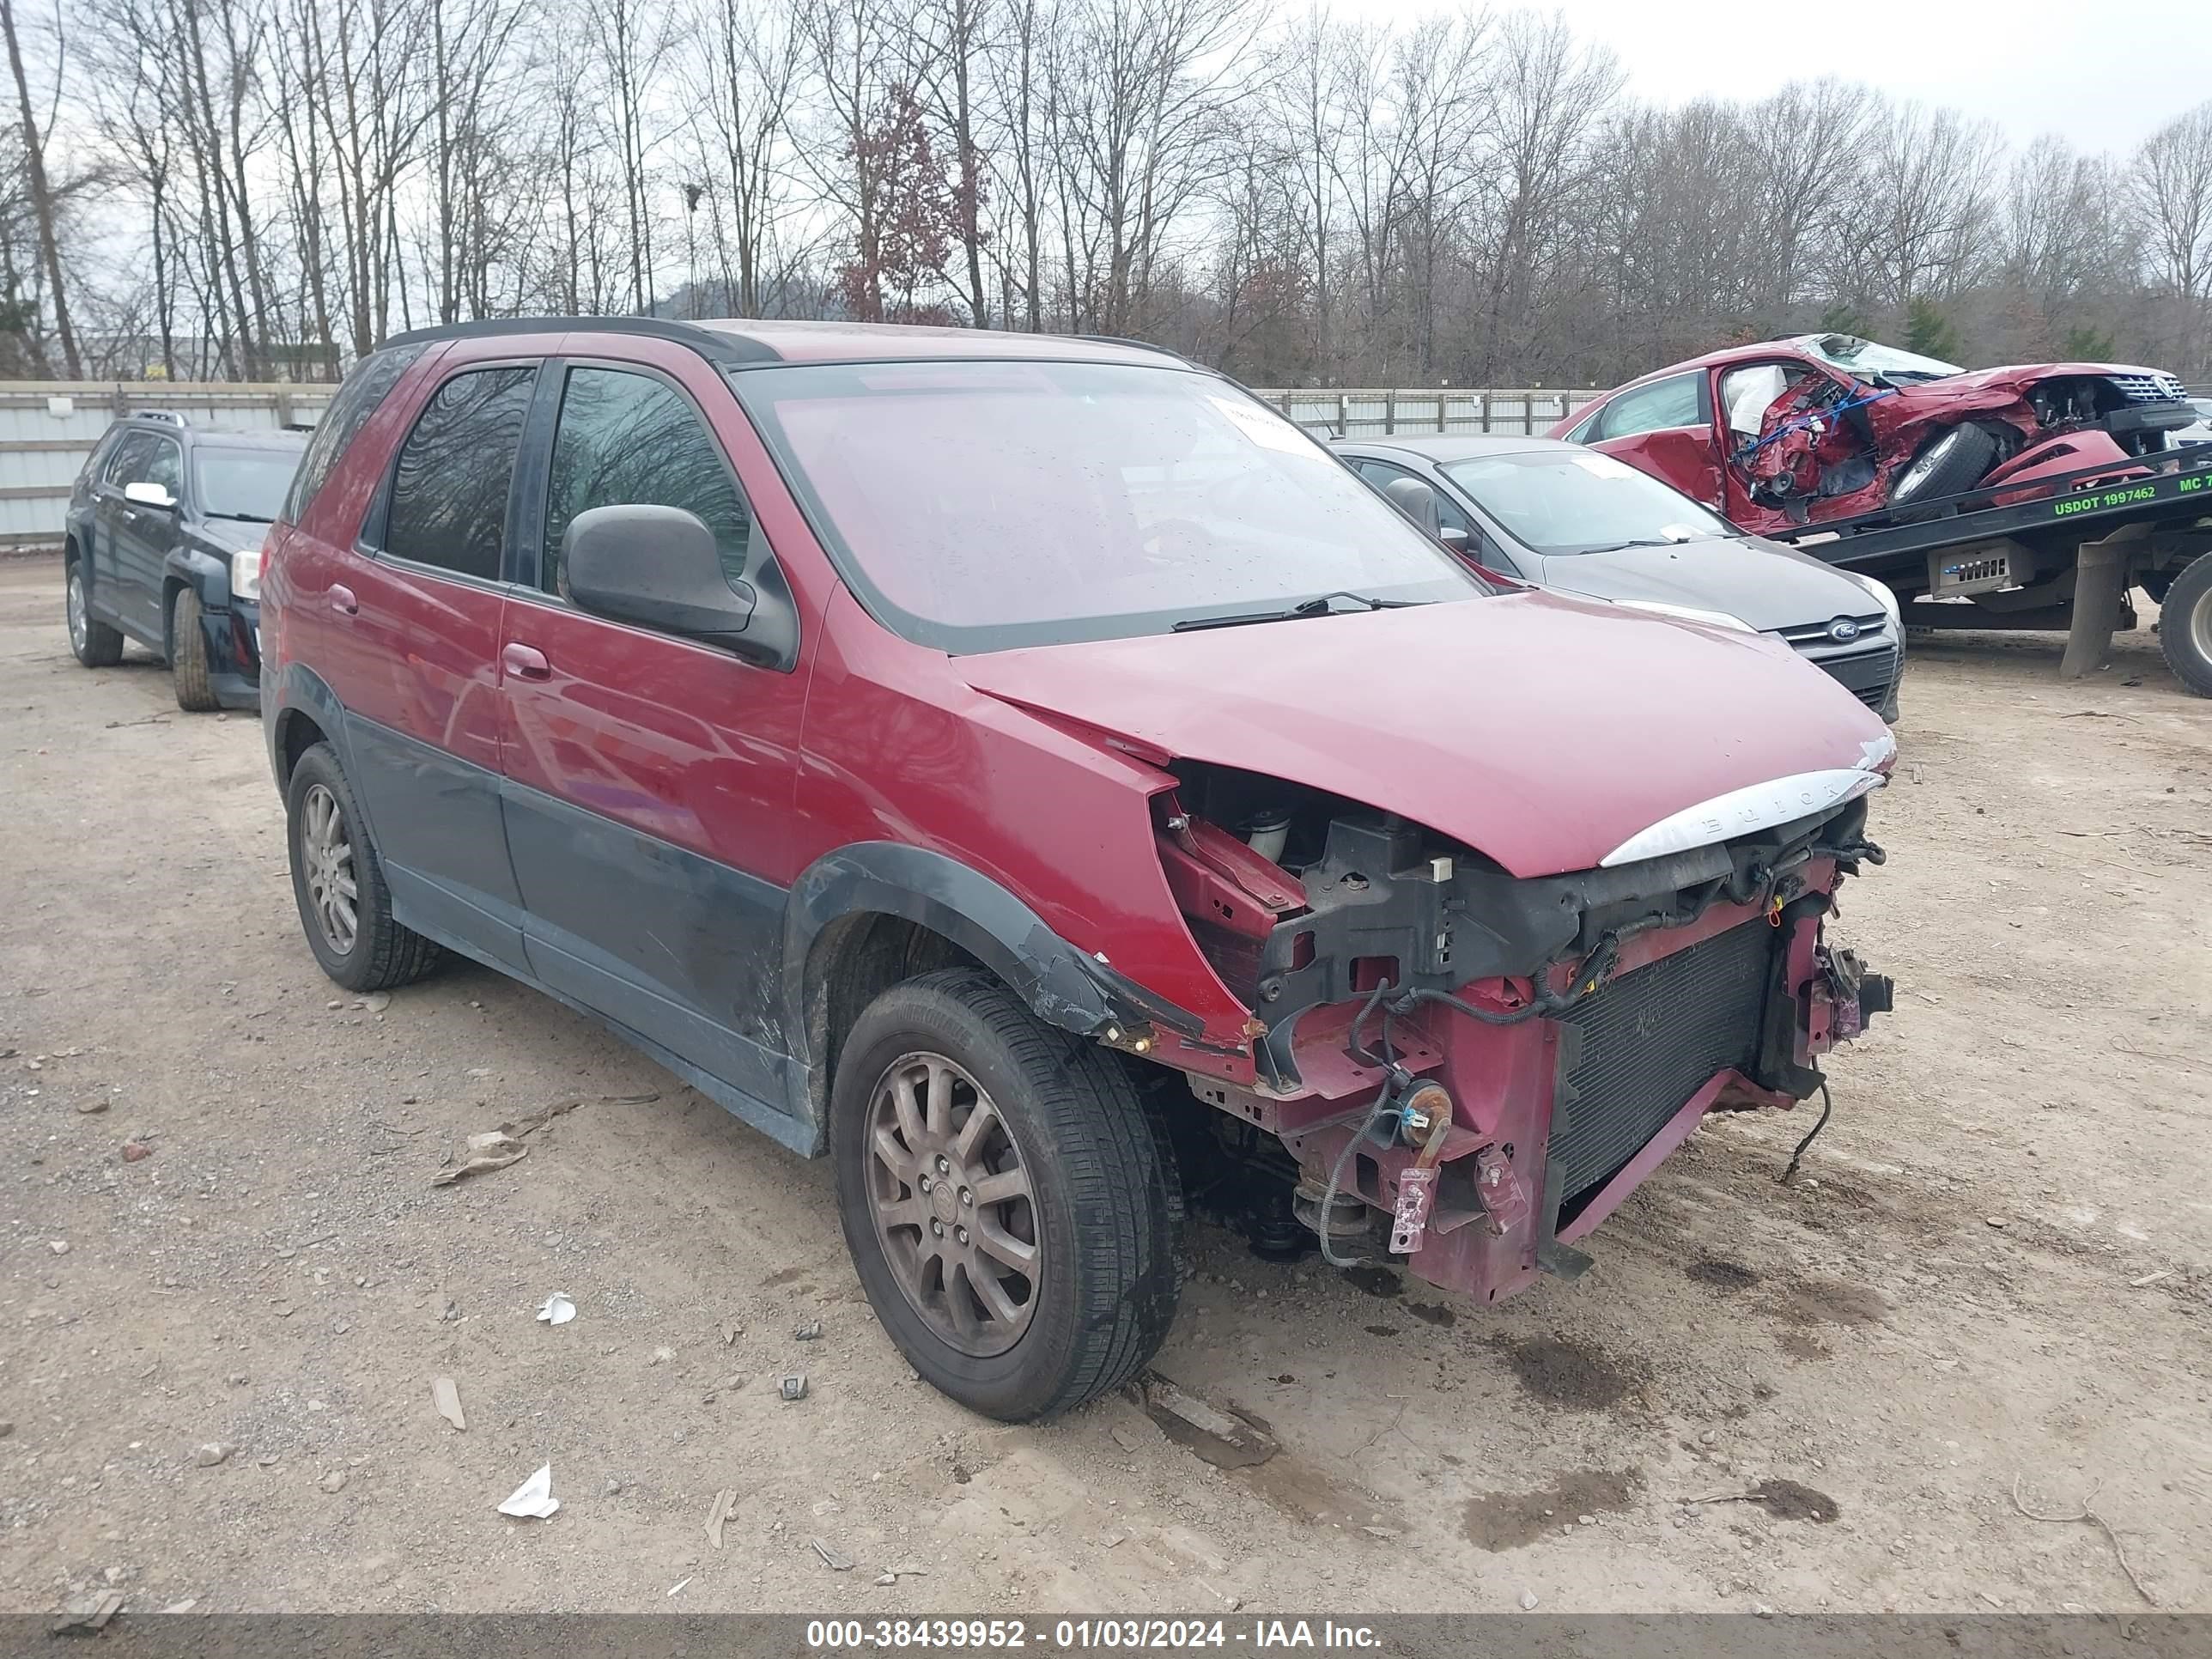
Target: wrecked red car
(1039, 776)
(1821, 427)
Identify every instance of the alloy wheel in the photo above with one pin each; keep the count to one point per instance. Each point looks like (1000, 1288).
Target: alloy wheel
(326, 859)
(952, 1204)
(1922, 469)
(78, 621)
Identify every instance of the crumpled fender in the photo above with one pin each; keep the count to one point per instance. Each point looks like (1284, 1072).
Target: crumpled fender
(1062, 984)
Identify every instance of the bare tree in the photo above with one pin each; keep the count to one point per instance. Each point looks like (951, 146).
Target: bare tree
(42, 194)
(746, 73)
(250, 187)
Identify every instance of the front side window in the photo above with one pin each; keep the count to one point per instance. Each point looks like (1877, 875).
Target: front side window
(131, 458)
(166, 467)
(243, 483)
(628, 440)
(449, 490)
(1575, 501)
(1382, 475)
(983, 506)
(1678, 400)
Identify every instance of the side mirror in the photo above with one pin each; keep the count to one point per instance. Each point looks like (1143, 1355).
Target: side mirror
(141, 493)
(1418, 502)
(659, 567)
(1454, 538)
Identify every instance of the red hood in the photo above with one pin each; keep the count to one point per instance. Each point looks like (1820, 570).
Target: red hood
(1542, 732)
(2013, 378)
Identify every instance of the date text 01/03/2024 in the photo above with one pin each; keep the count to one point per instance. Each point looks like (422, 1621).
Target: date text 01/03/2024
(842, 1635)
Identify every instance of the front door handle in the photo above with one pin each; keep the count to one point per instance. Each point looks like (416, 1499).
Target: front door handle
(526, 662)
(343, 601)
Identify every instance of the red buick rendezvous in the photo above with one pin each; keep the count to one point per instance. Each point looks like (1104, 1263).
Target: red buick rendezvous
(1019, 766)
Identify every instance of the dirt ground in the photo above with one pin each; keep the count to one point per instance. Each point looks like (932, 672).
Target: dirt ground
(1999, 1270)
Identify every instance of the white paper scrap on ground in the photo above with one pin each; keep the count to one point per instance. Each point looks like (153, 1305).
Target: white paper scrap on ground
(557, 1310)
(533, 1499)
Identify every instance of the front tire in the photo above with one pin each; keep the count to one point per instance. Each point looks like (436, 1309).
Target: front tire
(1949, 465)
(345, 909)
(2184, 625)
(1008, 1207)
(188, 653)
(93, 642)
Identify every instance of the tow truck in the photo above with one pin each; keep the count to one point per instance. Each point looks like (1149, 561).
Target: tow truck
(2063, 551)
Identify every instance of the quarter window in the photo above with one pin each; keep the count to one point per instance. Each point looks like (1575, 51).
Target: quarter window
(628, 440)
(449, 491)
(357, 400)
(1678, 400)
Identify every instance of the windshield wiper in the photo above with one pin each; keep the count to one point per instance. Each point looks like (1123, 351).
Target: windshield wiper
(1318, 605)
(1645, 541)
(242, 518)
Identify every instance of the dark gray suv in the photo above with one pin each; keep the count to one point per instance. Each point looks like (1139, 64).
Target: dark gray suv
(164, 547)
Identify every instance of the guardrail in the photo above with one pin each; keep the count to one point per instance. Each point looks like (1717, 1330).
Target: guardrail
(1387, 411)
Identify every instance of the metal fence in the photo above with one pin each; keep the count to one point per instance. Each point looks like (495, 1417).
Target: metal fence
(1379, 412)
(47, 428)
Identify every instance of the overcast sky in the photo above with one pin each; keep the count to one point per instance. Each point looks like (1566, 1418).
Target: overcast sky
(2105, 77)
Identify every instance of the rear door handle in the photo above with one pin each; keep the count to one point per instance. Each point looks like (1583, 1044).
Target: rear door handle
(343, 601)
(526, 662)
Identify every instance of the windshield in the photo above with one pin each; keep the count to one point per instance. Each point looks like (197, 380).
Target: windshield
(243, 483)
(979, 506)
(1576, 501)
(1870, 362)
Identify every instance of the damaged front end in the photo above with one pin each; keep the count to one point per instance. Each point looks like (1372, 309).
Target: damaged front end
(1827, 449)
(1491, 1063)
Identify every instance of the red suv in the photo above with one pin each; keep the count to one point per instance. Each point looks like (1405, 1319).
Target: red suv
(1017, 766)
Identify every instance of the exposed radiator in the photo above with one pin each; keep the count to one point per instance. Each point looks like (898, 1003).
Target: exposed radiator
(1633, 1054)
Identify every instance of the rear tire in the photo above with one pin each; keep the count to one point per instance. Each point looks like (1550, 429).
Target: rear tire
(2184, 625)
(1950, 464)
(188, 653)
(352, 934)
(1095, 1220)
(92, 642)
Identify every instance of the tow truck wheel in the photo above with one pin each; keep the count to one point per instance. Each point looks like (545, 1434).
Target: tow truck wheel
(1006, 1203)
(2184, 625)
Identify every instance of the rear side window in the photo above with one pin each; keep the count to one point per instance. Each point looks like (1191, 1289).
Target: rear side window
(449, 490)
(630, 440)
(1678, 400)
(372, 377)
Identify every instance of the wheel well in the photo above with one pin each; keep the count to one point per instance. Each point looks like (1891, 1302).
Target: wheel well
(855, 959)
(296, 735)
(170, 587)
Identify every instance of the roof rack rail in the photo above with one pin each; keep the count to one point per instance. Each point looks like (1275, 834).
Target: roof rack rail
(711, 343)
(1140, 345)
